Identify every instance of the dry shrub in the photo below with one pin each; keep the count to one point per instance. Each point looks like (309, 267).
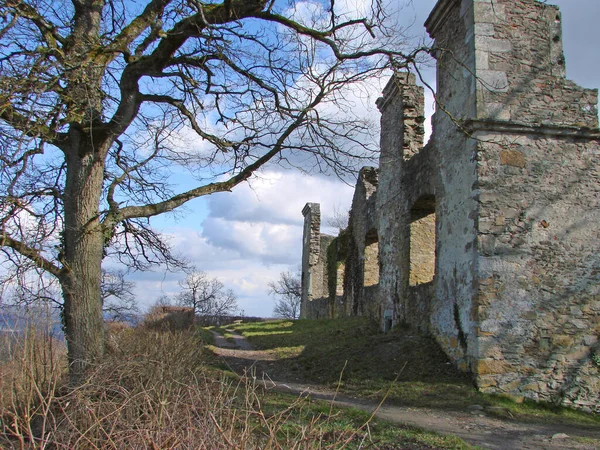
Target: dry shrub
(169, 318)
(32, 368)
(115, 327)
(152, 391)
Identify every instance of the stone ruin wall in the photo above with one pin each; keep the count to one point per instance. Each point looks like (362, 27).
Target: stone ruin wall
(506, 195)
(539, 265)
(315, 292)
(537, 203)
(340, 276)
(361, 275)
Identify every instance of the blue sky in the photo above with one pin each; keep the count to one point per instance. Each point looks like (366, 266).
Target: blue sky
(247, 237)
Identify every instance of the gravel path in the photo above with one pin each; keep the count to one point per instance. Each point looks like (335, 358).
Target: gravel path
(472, 425)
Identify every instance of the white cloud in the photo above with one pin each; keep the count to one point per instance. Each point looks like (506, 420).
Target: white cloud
(263, 241)
(262, 220)
(250, 236)
(277, 198)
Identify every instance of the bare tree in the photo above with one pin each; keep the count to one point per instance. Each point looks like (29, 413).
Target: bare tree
(164, 300)
(96, 97)
(29, 287)
(288, 290)
(118, 300)
(208, 296)
(338, 219)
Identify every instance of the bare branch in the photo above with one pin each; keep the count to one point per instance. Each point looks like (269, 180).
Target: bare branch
(30, 253)
(288, 290)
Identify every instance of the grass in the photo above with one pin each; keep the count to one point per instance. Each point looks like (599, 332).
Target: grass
(158, 389)
(207, 337)
(223, 331)
(411, 369)
(162, 389)
(356, 428)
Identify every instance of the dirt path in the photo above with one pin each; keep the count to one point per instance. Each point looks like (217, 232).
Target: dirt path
(472, 425)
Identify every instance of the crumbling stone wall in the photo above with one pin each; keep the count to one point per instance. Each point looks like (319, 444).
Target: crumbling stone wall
(315, 288)
(507, 192)
(535, 149)
(422, 250)
(539, 266)
(336, 269)
(402, 117)
(452, 321)
(361, 275)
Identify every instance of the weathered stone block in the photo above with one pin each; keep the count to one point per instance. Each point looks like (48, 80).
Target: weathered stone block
(484, 29)
(490, 44)
(487, 244)
(486, 382)
(493, 80)
(489, 12)
(562, 341)
(482, 60)
(513, 158)
(492, 366)
(497, 111)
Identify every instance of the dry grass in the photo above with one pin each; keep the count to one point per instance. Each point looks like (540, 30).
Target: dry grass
(31, 370)
(152, 391)
(170, 318)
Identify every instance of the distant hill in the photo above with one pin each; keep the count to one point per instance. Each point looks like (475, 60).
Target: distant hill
(16, 319)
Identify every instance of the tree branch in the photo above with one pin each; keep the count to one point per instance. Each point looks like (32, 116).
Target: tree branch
(154, 209)
(31, 254)
(23, 124)
(222, 144)
(192, 26)
(137, 26)
(47, 29)
(324, 37)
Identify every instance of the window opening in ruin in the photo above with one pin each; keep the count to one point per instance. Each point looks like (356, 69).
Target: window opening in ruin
(388, 320)
(371, 273)
(422, 241)
(340, 271)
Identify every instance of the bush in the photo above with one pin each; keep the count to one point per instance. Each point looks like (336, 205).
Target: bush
(169, 318)
(153, 390)
(31, 370)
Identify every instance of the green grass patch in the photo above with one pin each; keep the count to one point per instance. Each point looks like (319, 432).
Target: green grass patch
(411, 369)
(223, 331)
(355, 428)
(206, 336)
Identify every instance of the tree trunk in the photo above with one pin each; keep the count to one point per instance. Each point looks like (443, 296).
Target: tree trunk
(83, 243)
(82, 258)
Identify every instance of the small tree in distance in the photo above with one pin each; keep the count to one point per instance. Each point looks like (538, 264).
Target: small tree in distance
(338, 219)
(208, 296)
(288, 289)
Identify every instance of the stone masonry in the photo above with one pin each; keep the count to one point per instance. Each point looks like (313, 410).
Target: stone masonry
(314, 265)
(486, 237)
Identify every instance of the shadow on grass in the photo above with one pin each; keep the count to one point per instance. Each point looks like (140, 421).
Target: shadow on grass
(409, 367)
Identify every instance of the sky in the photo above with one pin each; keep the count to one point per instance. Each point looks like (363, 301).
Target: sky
(246, 238)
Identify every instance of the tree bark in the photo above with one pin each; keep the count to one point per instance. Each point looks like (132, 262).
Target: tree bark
(82, 258)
